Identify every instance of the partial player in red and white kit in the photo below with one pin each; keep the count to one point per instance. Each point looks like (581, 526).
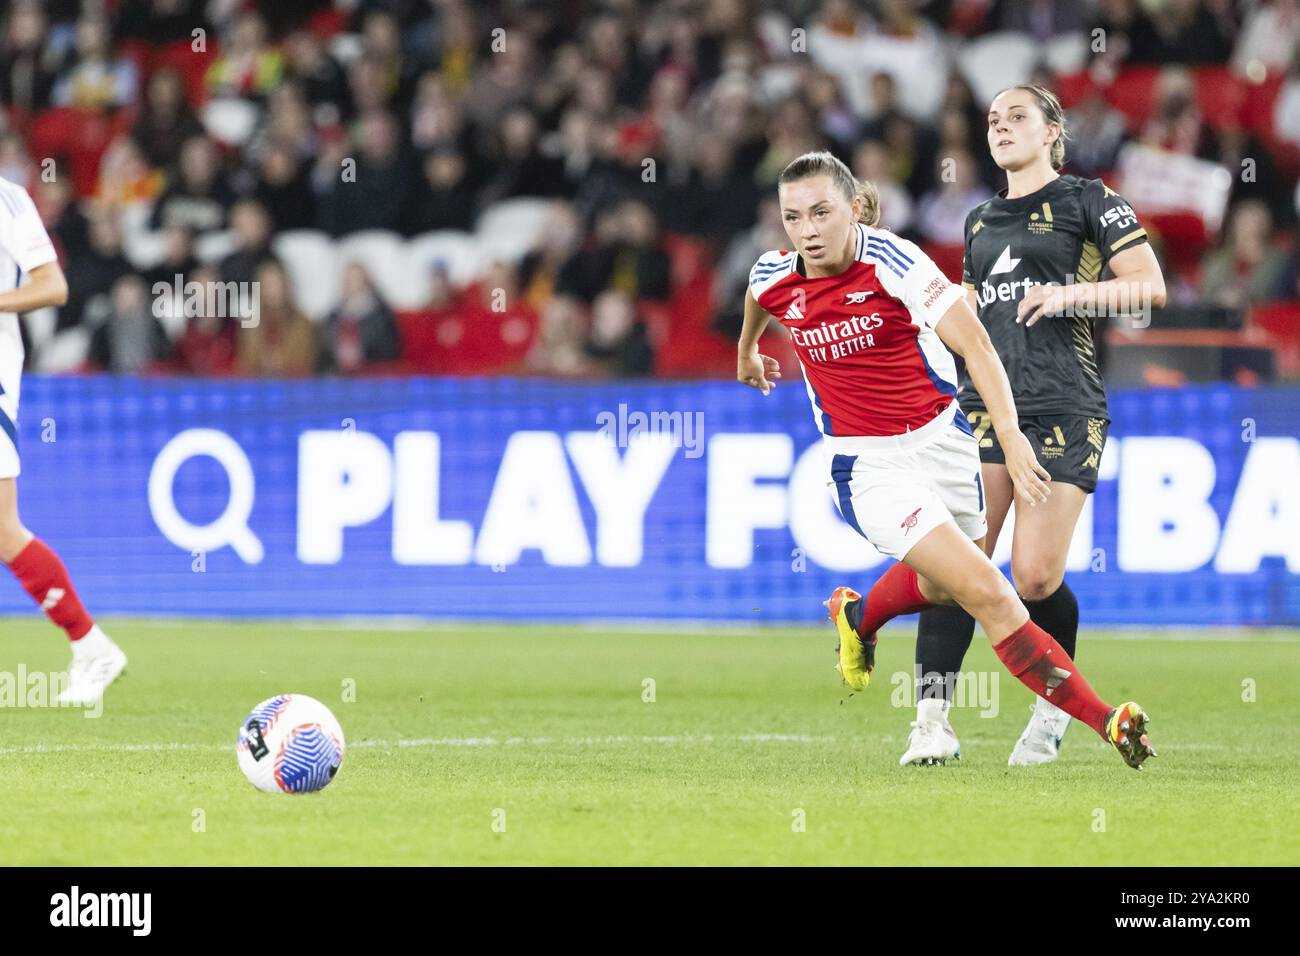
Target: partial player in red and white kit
(871, 318)
(25, 249)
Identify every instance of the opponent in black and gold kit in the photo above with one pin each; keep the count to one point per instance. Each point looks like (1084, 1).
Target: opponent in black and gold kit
(1039, 256)
(1065, 232)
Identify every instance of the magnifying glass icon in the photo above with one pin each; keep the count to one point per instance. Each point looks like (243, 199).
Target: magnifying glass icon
(231, 528)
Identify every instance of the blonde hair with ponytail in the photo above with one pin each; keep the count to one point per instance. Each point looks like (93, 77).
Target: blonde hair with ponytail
(823, 163)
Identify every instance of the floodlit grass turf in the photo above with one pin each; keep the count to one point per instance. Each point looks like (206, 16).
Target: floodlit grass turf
(548, 724)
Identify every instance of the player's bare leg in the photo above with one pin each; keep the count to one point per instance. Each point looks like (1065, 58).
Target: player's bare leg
(1038, 554)
(946, 631)
(13, 536)
(96, 660)
(999, 494)
(1041, 541)
(943, 637)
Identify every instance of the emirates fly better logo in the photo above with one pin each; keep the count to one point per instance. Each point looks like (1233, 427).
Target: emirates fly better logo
(832, 340)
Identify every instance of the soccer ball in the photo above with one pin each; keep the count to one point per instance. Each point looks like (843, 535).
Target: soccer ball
(290, 744)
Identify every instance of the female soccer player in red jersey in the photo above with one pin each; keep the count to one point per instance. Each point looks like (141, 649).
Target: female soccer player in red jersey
(870, 316)
(1034, 257)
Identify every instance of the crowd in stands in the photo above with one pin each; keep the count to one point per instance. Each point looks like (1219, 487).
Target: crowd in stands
(203, 138)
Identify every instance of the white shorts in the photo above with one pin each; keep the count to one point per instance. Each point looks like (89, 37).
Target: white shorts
(11, 376)
(895, 490)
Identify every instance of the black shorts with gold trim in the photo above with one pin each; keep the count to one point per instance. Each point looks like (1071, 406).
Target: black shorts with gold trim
(1068, 446)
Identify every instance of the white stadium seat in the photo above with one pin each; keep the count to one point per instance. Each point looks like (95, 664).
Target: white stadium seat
(67, 351)
(230, 120)
(346, 47)
(995, 61)
(387, 258)
(211, 247)
(144, 250)
(40, 325)
(1066, 52)
(312, 260)
(143, 247)
(509, 229)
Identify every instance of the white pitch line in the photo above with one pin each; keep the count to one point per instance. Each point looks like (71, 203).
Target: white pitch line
(592, 741)
(107, 748)
(614, 739)
(607, 739)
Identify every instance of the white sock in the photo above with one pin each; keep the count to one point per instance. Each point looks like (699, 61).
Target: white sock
(95, 642)
(1049, 710)
(930, 708)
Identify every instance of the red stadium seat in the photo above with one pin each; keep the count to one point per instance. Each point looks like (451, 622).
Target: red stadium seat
(1073, 88)
(689, 347)
(81, 136)
(326, 23)
(689, 257)
(1134, 94)
(1281, 322)
(947, 258)
(193, 67)
(1221, 96)
(1259, 105)
(139, 52)
(417, 329)
(466, 338)
(1184, 236)
(1258, 116)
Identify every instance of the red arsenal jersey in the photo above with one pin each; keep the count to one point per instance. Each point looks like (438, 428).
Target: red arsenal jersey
(865, 338)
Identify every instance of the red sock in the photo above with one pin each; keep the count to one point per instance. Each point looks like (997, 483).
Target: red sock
(1037, 661)
(44, 577)
(895, 592)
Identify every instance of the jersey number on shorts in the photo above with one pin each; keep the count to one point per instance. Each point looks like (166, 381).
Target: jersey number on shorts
(981, 422)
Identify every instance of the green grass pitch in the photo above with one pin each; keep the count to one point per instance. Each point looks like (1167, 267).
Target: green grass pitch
(494, 744)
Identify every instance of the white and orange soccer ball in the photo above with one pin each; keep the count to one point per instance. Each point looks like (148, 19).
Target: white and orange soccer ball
(290, 744)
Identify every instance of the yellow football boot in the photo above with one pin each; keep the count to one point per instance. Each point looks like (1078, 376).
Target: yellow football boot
(1126, 729)
(857, 656)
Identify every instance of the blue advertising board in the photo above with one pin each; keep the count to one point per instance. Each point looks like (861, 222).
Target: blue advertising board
(541, 500)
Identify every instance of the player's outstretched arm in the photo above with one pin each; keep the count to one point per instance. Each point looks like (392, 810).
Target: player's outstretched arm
(1138, 286)
(962, 332)
(47, 286)
(752, 369)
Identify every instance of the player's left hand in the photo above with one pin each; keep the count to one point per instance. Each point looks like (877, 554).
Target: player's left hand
(1031, 480)
(758, 371)
(1042, 300)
